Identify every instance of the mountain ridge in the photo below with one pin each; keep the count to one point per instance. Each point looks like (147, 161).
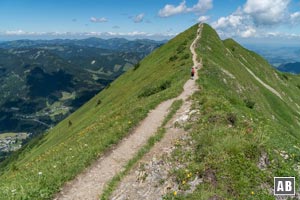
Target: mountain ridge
(240, 137)
(101, 122)
(120, 44)
(290, 67)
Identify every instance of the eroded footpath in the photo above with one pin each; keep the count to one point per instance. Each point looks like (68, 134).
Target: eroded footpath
(150, 178)
(90, 184)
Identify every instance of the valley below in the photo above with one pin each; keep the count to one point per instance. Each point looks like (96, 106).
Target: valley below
(44, 81)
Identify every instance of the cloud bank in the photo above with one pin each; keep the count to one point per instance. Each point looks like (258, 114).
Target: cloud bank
(256, 17)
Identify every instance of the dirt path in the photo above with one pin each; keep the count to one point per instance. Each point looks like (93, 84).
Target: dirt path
(90, 184)
(261, 82)
(149, 179)
(264, 84)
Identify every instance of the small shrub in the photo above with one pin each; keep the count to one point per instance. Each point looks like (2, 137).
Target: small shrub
(13, 167)
(136, 66)
(165, 85)
(249, 103)
(298, 86)
(231, 118)
(99, 102)
(173, 58)
(107, 86)
(148, 91)
(185, 56)
(284, 76)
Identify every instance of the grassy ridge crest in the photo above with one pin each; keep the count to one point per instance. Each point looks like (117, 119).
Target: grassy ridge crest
(245, 134)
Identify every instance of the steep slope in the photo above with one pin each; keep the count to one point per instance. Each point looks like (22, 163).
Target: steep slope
(92, 182)
(243, 131)
(41, 168)
(247, 130)
(138, 183)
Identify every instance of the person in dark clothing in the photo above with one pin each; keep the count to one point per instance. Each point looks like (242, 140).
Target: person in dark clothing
(192, 72)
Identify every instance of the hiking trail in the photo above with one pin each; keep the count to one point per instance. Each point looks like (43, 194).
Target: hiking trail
(149, 178)
(264, 84)
(89, 184)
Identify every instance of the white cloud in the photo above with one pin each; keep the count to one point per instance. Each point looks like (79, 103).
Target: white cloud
(249, 32)
(272, 34)
(255, 18)
(170, 10)
(201, 7)
(98, 20)
(295, 18)
(139, 18)
(231, 21)
(280, 35)
(236, 24)
(267, 12)
(21, 33)
(16, 32)
(203, 18)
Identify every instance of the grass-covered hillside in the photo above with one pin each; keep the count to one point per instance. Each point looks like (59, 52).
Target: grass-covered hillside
(44, 165)
(246, 133)
(248, 127)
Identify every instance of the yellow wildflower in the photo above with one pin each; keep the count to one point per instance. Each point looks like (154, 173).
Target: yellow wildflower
(189, 175)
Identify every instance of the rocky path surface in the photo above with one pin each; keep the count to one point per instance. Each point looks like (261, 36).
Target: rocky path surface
(90, 184)
(150, 179)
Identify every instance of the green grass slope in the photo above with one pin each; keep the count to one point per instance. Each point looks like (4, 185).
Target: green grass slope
(245, 134)
(43, 166)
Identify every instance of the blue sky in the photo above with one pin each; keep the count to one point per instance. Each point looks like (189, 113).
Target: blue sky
(251, 21)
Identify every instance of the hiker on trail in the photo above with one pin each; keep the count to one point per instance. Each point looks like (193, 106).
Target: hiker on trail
(192, 72)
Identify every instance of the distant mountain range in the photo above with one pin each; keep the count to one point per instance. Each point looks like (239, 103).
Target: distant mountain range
(284, 58)
(119, 44)
(290, 67)
(43, 81)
